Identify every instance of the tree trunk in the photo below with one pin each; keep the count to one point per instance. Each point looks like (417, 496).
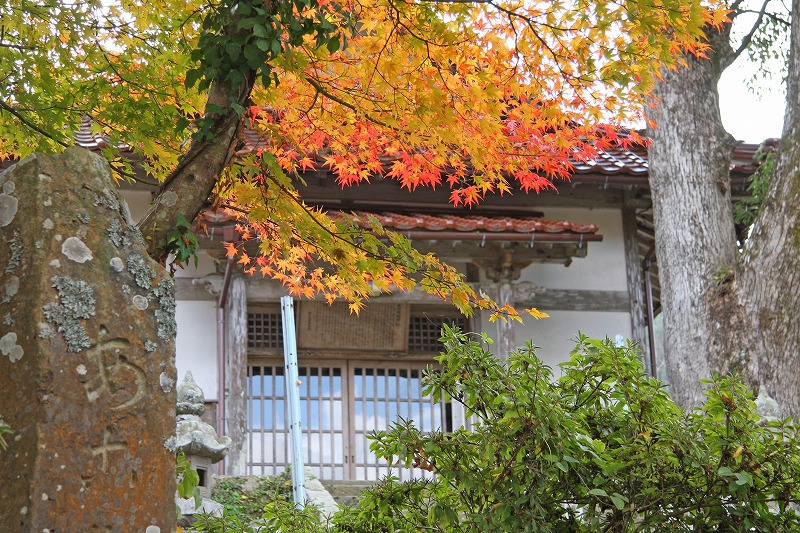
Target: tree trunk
(188, 188)
(695, 236)
(769, 283)
(725, 310)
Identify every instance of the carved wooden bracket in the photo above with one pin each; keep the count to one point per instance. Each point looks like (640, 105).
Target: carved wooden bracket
(504, 268)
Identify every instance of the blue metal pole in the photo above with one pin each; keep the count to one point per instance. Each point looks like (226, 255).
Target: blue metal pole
(293, 399)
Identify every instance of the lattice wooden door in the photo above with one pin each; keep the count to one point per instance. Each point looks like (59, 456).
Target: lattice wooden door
(341, 402)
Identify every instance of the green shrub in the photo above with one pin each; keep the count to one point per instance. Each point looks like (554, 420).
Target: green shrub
(601, 448)
(244, 507)
(250, 504)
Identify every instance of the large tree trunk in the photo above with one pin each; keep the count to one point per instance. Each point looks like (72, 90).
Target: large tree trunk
(724, 310)
(769, 283)
(695, 236)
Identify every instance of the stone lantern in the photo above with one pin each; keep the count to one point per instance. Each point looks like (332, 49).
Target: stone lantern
(197, 440)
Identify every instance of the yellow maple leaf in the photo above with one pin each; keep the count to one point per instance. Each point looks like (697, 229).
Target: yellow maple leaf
(535, 313)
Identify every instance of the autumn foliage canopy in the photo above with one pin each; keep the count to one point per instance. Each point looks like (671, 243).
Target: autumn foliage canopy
(476, 96)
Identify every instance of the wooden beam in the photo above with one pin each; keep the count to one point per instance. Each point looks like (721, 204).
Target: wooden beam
(388, 195)
(267, 291)
(575, 300)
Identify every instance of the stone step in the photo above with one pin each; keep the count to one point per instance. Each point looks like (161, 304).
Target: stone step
(346, 492)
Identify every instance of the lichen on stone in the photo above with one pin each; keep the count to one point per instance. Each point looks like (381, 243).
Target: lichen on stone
(8, 209)
(75, 301)
(10, 289)
(164, 295)
(117, 235)
(45, 331)
(10, 348)
(16, 248)
(150, 346)
(142, 274)
(83, 217)
(166, 382)
(135, 234)
(171, 443)
(116, 264)
(39, 245)
(8, 320)
(76, 250)
(140, 302)
(107, 199)
(125, 288)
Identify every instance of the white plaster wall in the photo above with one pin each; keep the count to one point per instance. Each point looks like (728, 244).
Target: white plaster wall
(138, 202)
(196, 343)
(553, 335)
(205, 265)
(603, 268)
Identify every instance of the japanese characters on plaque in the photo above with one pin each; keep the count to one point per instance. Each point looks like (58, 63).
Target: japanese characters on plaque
(379, 326)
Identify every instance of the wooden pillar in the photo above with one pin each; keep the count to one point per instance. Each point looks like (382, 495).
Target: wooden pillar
(503, 271)
(236, 375)
(506, 339)
(636, 295)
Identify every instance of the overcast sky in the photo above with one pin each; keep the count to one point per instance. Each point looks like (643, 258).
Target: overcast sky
(746, 116)
(749, 117)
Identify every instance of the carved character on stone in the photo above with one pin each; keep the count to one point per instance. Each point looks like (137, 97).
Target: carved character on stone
(113, 374)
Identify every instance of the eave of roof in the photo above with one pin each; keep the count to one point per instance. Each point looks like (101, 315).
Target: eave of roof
(617, 162)
(456, 227)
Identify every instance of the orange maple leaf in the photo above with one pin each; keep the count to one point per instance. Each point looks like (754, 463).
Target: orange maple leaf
(230, 250)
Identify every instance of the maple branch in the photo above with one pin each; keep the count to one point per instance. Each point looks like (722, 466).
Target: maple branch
(4, 106)
(188, 186)
(456, 1)
(419, 37)
(324, 92)
(19, 47)
(773, 16)
(146, 90)
(119, 168)
(380, 53)
(295, 199)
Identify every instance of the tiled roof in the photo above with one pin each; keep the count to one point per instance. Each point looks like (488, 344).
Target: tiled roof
(85, 137)
(447, 224)
(480, 223)
(615, 161)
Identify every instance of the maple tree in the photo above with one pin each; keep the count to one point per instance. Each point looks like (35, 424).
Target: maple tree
(461, 94)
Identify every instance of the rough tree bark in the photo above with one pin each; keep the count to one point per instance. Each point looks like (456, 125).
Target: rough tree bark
(724, 310)
(188, 188)
(768, 283)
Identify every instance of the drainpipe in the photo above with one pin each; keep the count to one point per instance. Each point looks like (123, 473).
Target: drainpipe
(651, 334)
(223, 298)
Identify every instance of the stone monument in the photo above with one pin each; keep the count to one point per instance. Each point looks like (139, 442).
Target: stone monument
(87, 369)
